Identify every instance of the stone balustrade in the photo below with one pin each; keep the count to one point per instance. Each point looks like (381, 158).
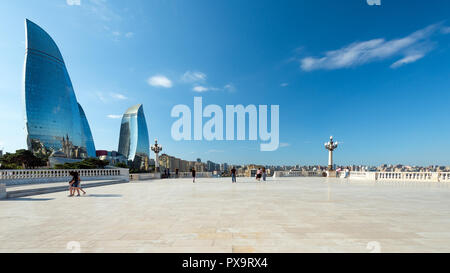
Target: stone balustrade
(297, 174)
(377, 176)
(23, 177)
(151, 176)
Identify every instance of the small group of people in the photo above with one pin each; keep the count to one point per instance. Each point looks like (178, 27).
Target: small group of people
(75, 184)
(261, 173)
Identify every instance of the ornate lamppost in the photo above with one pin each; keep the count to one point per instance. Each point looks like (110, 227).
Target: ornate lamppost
(156, 149)
(331, 146)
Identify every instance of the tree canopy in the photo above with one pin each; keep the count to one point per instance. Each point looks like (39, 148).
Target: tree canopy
(22, 159)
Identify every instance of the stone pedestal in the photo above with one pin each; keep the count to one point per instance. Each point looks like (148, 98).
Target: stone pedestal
(332, 174)
(3, 194)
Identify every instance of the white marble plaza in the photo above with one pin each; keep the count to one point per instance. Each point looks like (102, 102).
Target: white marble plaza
(213, 215)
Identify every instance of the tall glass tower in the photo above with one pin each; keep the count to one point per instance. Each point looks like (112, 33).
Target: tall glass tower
(54, 121)
(134, 141)
(87, 134)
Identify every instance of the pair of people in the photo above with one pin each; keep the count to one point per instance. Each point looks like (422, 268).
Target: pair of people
(261, 173)
(75, 184)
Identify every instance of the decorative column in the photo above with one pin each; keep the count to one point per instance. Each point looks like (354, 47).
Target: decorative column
(156, 149)
(331, 146)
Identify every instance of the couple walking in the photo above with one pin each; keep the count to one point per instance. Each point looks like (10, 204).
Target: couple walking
(75, 184)
(261, 173)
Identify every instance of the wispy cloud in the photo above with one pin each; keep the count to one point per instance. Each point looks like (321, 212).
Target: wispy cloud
(200, 88)
(102, 10)
(407, 60)
(114, 116)
(193, 76)
(284, 84)
(230, 87)
(160, 81)
(118, 96)
(412, 47)
(107, 97)
(445, 30)
(284, 145)
(73, 2)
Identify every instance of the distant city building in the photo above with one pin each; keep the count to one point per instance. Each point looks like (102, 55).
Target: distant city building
(54, 121)
(112, 157)
(1, 153)
(134, 141)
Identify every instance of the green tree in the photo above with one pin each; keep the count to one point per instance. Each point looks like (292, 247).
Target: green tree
(22, 159)
(121, 165)
(87, 164)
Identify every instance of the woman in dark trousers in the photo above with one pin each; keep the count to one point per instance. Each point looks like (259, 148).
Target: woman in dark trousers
(193, 175)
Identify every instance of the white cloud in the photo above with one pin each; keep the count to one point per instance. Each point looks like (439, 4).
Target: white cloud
(160, 81)
(73, 2)
(360, 53)
(193, 76)
(129, 35)
(107, 97)
(114, 116)
(284, 145)
(200, 89)
(407, 60)
(118, 96)
(230, 87)
(284, 84)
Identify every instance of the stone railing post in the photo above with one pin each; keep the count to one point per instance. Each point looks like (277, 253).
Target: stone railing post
(3, 194)
(435, 177)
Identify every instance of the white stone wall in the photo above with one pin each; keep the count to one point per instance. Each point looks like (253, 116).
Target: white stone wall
(24, 177)
(2, 191)
(379, 176)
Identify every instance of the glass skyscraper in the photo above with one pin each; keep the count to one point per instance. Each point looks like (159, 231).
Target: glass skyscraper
(134, 141)
(54, 120)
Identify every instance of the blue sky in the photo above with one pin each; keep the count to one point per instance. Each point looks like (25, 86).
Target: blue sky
(375, 77)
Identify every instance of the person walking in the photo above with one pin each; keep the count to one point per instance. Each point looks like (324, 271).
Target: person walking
(258, 174)
(264, 174)
(193, 175)
(75, 184)
(233, 175)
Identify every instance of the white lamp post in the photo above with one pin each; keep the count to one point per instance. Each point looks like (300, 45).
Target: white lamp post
(331, 146)
(156, 149)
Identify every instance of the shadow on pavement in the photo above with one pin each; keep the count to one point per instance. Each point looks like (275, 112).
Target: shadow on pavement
(103, 195)
(28, 199)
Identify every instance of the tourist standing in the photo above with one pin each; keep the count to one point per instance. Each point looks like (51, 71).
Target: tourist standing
(193, 175)
(264, 174)
(233, 175)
